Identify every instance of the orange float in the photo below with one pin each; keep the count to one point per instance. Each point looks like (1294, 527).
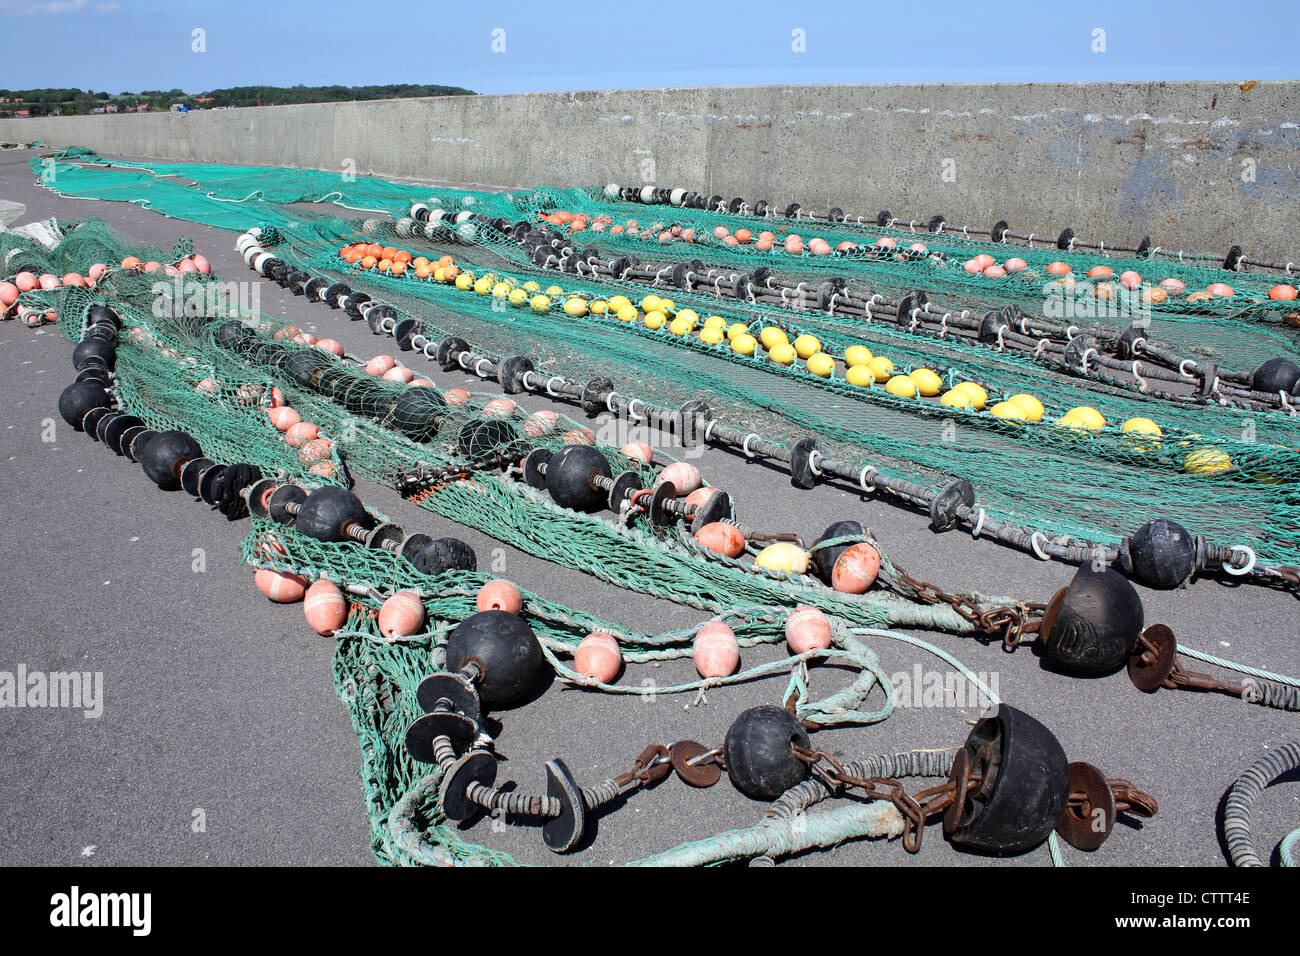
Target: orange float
(806, 629)
(325, 608)
(598, 657)
(499, 595)
(282, 587)
(401, 615)
(721, 538)
(716, 651)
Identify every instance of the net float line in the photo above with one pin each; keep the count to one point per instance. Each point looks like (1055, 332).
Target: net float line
(998, 234)
(1273, 371)
(1081, 351)
(1266, 386)
(1037, 283)
(1050, 344)
(948, 506)
(581, 300)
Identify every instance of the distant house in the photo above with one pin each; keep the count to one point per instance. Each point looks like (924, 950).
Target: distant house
(200, 99)
(142, 107)
(110, 108)
(22, 114)
(97, 109)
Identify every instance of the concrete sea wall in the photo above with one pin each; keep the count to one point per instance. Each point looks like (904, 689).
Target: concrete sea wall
(1194, 165)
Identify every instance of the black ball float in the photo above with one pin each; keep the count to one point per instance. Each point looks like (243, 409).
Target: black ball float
(1276, 375)
(1092, 626)
(503, 648)
(760, 760)
(100, 314)
(569, 478)
(1023, 790)
(95, 347)
(165, 455)
(488, 440)
(329, 513)
(445, 554)
(418, 412)
(79, 398)
(1161, 554)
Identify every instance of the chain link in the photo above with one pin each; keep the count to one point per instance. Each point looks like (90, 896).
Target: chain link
(1014, 622)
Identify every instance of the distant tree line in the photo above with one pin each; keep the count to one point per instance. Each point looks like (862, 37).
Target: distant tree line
(71, 102)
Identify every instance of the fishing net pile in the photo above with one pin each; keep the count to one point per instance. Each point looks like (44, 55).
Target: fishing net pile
(209, 367)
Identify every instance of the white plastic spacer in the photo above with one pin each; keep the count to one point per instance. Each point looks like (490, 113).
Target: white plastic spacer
(1250, 561)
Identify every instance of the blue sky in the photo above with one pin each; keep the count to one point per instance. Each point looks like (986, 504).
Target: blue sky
(118, 45)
